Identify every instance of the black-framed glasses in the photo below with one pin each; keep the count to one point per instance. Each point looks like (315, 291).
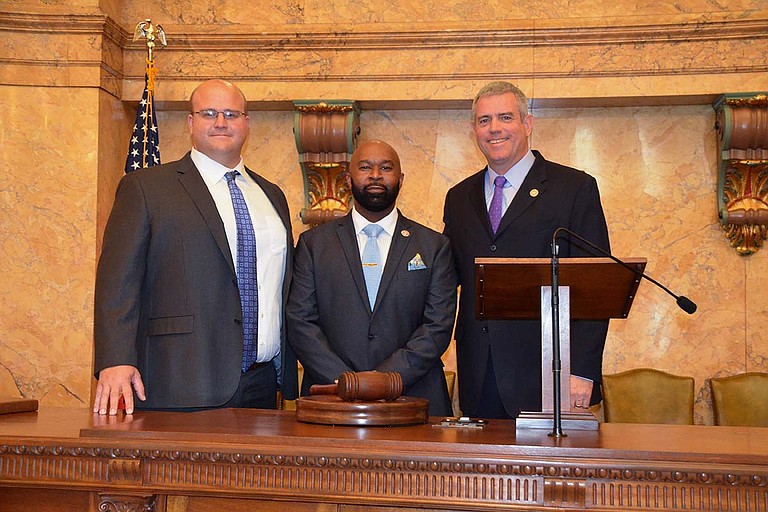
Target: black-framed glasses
(210, 114)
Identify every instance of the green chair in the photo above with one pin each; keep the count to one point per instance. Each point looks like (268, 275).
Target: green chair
(741, 400)
(645, 395)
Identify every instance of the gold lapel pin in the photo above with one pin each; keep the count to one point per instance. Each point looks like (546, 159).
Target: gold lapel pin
(405, 233)
(534, 192)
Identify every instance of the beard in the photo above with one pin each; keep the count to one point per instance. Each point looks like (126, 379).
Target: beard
(375, 201)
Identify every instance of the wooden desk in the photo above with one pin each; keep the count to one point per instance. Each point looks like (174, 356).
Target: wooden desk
(237, 460)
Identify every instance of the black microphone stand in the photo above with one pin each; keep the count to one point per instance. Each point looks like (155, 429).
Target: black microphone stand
(557, 427)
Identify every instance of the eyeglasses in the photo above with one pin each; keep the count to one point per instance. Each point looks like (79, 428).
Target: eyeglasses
(210, 114)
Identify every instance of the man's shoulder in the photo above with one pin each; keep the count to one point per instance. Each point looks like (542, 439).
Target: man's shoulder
(161, 171)
(417, 229)
(322, 231)
(562, 171)
(469, 181)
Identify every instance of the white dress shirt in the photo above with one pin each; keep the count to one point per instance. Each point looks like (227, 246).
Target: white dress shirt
(388, 224)
(271, 245)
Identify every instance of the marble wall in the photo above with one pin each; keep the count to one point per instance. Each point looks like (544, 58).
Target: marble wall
(621, 89)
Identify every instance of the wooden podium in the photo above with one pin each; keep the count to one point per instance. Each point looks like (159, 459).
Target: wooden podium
(589, 289)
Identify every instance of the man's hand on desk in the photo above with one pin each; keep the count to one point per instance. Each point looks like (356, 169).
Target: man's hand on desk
(581, 392)
(114, 382)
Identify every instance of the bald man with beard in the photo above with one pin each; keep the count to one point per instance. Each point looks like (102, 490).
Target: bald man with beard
(404, 326)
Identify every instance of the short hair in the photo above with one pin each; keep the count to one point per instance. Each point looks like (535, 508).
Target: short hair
(498, 88)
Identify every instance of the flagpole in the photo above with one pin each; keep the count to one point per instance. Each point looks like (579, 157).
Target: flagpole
(144, 147)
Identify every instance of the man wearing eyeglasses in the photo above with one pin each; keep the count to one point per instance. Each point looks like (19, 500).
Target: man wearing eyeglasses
(191, 283)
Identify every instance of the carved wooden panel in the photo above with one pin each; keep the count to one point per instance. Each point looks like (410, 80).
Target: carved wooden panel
(326, 135)
(423, 481)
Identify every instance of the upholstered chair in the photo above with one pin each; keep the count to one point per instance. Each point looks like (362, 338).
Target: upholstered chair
(741, 399)
(645, 395)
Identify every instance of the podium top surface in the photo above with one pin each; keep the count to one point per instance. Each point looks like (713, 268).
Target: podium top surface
(510, 288)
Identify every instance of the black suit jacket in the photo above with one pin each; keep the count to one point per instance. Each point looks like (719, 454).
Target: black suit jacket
(551, 196)
(167, 300)
(330, 323)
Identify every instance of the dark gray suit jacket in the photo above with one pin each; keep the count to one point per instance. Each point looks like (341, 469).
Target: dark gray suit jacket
(551, 196)
(167, 300)
(333, 330)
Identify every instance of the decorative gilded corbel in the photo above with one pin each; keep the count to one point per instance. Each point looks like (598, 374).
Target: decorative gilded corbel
(326, 135)
(742, 183)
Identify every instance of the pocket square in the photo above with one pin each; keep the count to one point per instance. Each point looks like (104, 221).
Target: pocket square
(416, 263)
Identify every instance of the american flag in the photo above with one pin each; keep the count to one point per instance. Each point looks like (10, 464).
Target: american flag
(144, 149)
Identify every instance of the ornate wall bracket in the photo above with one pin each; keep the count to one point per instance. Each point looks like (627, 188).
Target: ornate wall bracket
(742, 184)
(326, 135)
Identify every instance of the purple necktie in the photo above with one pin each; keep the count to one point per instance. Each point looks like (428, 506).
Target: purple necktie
(494, 212)
(246, 271)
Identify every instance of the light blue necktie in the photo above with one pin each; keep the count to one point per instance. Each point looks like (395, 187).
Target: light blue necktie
(494, 212)
(246, 272)
(372, 261)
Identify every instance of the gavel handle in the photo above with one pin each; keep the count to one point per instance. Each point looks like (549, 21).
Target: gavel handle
(323, 389)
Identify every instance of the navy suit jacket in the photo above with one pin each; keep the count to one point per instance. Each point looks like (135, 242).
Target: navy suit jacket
(167, 300)
(330, 323)
(551, 196)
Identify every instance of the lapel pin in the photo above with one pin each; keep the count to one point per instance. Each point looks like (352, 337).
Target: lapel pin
(534, 192)
(405, 233)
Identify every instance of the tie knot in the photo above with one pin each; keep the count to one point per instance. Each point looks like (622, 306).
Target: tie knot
(230, 176)
(373, 230)
(500, 181)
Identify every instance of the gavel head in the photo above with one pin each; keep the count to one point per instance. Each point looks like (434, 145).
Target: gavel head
(370, 386)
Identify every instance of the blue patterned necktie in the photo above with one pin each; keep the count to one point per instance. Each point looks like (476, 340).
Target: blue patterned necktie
(494, 212)
(246, 271)
(372, 262)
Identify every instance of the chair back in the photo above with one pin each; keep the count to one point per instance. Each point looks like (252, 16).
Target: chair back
(741, 400)
(645, 395)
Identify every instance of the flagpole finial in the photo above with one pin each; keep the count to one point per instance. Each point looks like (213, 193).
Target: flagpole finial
(152, 33)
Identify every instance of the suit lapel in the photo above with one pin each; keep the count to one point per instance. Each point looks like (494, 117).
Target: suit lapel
(348, 238)
(193, 183)
(477, 200)
(396, 250)
(533, 185)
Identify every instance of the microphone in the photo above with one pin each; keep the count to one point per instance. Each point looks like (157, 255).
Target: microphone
(683, 302)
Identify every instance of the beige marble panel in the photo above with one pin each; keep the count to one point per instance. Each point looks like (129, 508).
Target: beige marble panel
(356, 11)
(220, 13)
(47, 228)
(348, 13)
(757, 312)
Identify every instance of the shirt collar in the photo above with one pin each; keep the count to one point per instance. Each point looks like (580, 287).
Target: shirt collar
(388, 223)
(211, 169)
(515, 175)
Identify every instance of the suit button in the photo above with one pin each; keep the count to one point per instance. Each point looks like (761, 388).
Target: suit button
(238, 321)
(493, 247)
(234, 282)
(371, 336)
(485, 328)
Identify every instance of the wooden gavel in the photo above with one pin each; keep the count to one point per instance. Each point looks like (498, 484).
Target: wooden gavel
(363, 386)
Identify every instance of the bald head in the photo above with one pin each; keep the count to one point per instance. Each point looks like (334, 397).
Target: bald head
(215, 85)
(377, 147)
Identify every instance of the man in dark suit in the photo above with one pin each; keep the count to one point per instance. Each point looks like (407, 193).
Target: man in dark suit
(340, 321)
(169, 317)
(511, 208)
